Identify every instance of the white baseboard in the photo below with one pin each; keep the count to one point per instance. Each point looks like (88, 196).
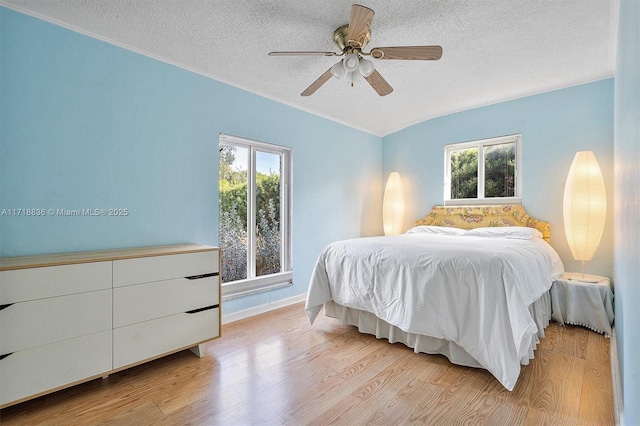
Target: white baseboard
(615, 380)
(261, 309)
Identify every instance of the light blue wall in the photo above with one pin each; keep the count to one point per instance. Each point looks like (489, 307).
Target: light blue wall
(553, 125)
(627, 233)
(85, 124)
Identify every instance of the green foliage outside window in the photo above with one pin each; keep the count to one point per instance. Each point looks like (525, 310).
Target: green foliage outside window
(464, 173)
(499, 171)
(233, 219)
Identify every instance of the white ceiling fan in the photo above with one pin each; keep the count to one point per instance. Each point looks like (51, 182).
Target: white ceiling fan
(351, 39)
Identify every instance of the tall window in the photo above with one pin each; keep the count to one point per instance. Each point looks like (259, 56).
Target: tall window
(483, 172)
(255, 202)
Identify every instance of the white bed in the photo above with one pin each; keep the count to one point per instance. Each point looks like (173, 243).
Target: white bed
(479, 297)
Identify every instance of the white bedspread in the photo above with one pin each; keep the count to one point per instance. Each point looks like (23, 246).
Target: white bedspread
(474, 291)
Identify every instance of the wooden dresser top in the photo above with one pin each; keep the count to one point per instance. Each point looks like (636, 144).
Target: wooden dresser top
(38, 261)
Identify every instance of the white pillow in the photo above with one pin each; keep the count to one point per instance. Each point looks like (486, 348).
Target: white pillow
(440, 230)
(519, 232)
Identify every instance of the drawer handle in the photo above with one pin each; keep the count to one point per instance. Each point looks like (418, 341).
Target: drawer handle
(195, 311)
(4, 307)
(197, 277)
(3, 356)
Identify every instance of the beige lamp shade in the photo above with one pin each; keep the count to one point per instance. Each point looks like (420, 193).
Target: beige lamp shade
(584, 205)
(393, 205)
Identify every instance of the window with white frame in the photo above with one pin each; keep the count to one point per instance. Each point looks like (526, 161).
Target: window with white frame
(487, 171)
(255, 216)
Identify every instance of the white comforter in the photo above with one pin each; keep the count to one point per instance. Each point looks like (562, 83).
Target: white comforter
(474, 291)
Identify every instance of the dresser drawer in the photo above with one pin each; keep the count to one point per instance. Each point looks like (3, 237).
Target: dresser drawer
(36, 370)
(39, 322)
(142, 302)
(158, 268)
(21, 285)
(150, 339)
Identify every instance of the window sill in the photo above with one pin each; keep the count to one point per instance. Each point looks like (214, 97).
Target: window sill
(483, 201)
(241, 288)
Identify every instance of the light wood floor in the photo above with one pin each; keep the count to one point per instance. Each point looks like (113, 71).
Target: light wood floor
(277, 369)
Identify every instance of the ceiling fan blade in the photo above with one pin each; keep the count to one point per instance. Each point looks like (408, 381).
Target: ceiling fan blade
(359, 25)
(316, 84)
(379, 84)
(304, 53)
(428, 53)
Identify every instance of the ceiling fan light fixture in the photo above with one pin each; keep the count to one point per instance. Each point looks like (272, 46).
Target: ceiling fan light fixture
(351, 62)
(366, 67)
(338, 70)
(351, 39)
(353, 77)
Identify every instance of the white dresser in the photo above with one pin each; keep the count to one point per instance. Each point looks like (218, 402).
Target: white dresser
(69, 318)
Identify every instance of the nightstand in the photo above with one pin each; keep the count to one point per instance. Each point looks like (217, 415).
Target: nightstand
(587, 301)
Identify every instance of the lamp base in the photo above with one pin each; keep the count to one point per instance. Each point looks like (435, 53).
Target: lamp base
(579, 276)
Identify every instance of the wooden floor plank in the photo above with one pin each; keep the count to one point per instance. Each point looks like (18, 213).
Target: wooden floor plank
(574, 343)
(139, 415)
(597, 391)
(336, 386)
(376, 391)
(558, 391)
(598, 349)
(276, 368)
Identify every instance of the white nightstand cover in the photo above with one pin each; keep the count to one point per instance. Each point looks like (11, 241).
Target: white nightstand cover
(580, 303)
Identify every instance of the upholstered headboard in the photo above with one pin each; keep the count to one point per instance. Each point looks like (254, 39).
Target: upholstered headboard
(469, 217)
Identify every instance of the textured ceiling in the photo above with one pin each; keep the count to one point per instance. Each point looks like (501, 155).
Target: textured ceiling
(494, 50)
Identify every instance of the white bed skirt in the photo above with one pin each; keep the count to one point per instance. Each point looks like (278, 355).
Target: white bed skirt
(370, 324)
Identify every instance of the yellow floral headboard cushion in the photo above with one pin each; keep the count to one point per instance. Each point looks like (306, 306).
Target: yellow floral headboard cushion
(469, 217)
